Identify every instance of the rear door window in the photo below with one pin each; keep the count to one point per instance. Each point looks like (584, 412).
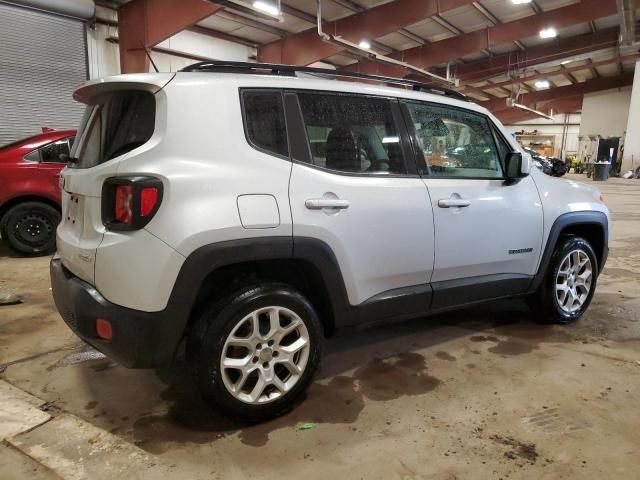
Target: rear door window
(351, 133)
(124, 122)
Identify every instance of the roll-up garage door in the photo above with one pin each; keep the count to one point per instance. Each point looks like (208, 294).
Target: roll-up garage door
(42, 60)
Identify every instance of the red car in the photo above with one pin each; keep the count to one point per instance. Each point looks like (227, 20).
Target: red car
(29, 190)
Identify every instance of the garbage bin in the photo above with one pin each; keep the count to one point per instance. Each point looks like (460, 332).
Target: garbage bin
(601, 171)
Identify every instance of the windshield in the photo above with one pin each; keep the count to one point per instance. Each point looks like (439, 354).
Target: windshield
(123, 122)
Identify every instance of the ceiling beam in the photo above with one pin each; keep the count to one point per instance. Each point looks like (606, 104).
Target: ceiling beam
(594, 70)
(560, 49)
(568, 75)
(299, 14)
(250, 22)
(446, 50)
(307, 47)
(143, 24)
(546, 77)
(589, 86)
(484, 11)
(490, 84)
(535, 7)
(567, 69)
(354, 7)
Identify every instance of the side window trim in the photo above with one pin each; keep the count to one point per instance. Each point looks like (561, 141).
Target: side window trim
(418, 156)
(245, 127)
(299, 149)
(499, 138)
(410, 169)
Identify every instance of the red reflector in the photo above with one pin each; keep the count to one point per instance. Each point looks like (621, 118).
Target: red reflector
(103, 329)
(148, 200)
(124, 201)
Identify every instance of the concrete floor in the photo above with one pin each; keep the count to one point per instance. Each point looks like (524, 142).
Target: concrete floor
(480, 393)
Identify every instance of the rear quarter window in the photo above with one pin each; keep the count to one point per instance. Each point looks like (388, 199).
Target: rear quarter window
(264, 122)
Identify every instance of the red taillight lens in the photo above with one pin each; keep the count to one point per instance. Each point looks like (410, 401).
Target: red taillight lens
(148, 200)
(124, 204)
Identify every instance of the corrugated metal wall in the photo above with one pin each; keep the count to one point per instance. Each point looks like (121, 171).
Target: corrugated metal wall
(42, 60)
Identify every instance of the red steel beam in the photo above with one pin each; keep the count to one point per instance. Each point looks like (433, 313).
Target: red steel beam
(445, 51)
(563, 70)
(307, 47)
(558, 50)
(145, 23)
(593, 85)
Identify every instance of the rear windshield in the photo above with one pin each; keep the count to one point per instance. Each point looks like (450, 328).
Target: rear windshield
(123, 122)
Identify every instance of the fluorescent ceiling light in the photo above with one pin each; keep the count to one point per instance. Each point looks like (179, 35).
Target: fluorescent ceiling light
(542, 84)
(548, 33)
(364, 43)
(520, 2)
(390, 139)
(564, 62)
(267, 7)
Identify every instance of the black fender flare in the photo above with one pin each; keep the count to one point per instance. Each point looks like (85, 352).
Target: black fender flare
(565, 220)
(209, 258)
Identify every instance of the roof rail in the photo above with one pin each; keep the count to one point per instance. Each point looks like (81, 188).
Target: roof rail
(221, 66)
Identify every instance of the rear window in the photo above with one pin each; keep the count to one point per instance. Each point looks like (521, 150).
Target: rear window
(124, 122)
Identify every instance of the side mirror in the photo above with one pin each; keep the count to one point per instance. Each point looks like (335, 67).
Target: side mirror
(513, 166)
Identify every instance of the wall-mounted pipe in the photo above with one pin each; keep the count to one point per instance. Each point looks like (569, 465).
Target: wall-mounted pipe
(627, 14)
(513, 104)
(367, 52)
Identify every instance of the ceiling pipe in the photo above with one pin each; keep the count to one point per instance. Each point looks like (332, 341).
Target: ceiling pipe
(367, 52)
(627, 14)
(513, 104)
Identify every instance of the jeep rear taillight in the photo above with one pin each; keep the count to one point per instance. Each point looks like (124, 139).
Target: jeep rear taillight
(123, 204)
(129, 203)
(148, 200)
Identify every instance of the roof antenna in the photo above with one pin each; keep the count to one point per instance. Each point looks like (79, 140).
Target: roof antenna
(146, 50)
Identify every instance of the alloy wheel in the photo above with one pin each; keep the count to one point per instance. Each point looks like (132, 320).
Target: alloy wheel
(573, 281)
(265, 355)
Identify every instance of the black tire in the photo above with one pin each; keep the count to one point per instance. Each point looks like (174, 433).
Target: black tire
(30, 228)
(544, 303)
(207, 340)
(3, 227)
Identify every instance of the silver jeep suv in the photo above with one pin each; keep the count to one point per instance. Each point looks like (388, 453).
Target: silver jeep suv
(244, 212)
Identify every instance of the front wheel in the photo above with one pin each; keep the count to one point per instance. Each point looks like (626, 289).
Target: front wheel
(569, 284)
(255, 353)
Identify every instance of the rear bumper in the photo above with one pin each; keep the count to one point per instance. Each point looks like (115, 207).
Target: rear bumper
(135, 341)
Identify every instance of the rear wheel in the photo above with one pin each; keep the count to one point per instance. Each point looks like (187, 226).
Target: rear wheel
(30, 228)
(569, 284)
(254, 353)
